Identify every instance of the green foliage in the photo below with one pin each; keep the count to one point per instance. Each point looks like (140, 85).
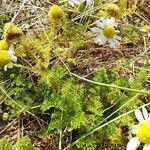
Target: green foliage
(44, 87)
(5, 145)
(24, 143)
(21, 91)
(87, 144)
(78, 39)
(74, 105)
(67, 107)
(130, 33)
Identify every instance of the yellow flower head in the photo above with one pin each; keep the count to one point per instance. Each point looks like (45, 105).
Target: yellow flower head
(12, 32)
(109, 31)
(113, 11)
(56, 12)
(4, 45)
(4, 58)
(143, 132)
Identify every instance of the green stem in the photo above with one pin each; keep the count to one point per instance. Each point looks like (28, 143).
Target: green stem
(111, 85)
(99, 83)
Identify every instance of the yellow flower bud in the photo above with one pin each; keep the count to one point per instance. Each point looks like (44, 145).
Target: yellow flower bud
(4, 45)
(12, 32)
(113, 11)
(56, 12)
(4, 58)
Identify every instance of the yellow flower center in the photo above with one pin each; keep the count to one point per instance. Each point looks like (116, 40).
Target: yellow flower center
(144, 132)
(147, 28)
(4, 45)
(4, 58)
(109, 31)
(56, 12)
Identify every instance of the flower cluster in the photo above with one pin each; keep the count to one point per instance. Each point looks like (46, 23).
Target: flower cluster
(12, 34)
(7, 57)
(142, 131)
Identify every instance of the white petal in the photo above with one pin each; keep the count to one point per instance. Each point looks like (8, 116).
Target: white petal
(5, 68)
(72, 2)
(104, 21)
(117, 37)
(11, 48)
(113, 43)
(89, 2)
(133, 144)
(10, 65)
(146, 147)
(76, 1)
(143, 30)
(139, 115)
(13, 58)
(100, 24)
(100, 39)
(149, 116)
(96, 30)
(145, 113)
(108, 22)
(117, 31)
(135, 129)
(113, 22)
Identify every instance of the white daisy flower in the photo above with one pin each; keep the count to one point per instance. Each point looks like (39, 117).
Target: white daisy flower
(7, 58)
(146, 29)
(78, 2)
(142, 131)
(106, 32)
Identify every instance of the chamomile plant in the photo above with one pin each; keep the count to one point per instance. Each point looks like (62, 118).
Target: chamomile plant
(106, 31)
(7, 58)
(141, 130)
(12, 34)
